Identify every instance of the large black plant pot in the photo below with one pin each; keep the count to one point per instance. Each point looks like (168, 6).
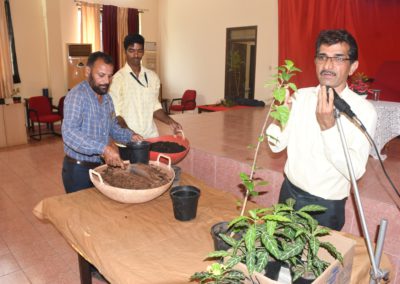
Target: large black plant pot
(273, 269)
(222, 228)
(303, 280)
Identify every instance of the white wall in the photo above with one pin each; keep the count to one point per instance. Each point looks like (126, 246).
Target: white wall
(42, 28)
(30, 43)
(190, 34)
(193, 42)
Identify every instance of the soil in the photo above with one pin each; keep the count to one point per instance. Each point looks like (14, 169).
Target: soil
(136, 176)
(166, 147)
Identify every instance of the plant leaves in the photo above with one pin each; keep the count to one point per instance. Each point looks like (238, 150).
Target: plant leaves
(279, 94)
(292, 87)
(332, 250)
(278, 218)
(270, 229)
(313, 208)
(262, 260)
(289, 64)
(292, 250)
(271, 245)
(251, 261)
(232, 261)
(227, 239)
(314, 245)
(250, 238)
(218, 253)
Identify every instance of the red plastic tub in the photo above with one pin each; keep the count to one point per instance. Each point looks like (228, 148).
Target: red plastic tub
(175, 157)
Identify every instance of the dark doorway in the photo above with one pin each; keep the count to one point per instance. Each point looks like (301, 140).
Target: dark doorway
(240, 62)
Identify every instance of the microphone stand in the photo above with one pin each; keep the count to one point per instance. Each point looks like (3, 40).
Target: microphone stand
(376, 273)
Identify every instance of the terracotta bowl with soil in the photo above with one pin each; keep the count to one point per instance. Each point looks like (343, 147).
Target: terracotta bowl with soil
(174, 146)
(137, 183)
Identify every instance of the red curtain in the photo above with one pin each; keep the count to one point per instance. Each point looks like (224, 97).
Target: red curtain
(110, 34)
(133, 21)
(374, 24)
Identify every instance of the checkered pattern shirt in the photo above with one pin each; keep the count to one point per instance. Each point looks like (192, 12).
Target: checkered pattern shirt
(88, 124)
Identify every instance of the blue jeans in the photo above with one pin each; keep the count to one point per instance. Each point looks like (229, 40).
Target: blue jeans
(75, 177)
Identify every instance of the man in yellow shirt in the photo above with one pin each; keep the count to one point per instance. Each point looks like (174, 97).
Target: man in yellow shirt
(134, 91)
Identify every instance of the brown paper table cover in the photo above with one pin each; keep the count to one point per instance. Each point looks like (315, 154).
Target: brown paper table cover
(143, 243)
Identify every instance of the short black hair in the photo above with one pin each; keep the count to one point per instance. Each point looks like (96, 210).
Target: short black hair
(132, 39)
(93, 57)
(330, 37)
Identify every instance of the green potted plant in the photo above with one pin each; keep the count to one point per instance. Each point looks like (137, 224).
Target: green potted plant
(281, 234)
(278, 233)
(278, 110)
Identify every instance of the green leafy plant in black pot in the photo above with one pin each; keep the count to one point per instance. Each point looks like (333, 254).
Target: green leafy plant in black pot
(278, 233)
(278, 110)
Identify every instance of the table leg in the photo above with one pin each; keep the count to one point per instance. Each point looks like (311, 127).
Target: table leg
(84, 270)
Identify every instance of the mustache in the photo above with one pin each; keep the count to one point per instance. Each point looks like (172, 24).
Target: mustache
(326, 72)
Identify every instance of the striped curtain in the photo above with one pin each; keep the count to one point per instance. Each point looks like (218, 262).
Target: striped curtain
(90, 25)
(6, 75)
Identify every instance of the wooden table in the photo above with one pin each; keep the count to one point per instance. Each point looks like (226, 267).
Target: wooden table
(143, 243)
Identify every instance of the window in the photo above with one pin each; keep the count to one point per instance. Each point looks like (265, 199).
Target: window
(16, 78)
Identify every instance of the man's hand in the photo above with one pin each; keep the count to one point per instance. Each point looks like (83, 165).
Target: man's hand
(162, 116)
(175, 126)
(324, 111)
(136, 137)
(111, 156)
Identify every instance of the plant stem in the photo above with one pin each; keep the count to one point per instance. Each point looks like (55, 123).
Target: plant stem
(253, 166)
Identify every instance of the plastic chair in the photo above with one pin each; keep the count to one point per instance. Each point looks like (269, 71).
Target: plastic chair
(40, 111)
(187, 102)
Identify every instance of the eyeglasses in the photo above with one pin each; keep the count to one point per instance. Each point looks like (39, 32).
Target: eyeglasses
(321, 58)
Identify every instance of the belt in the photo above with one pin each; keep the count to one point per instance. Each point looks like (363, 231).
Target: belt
(82, 163)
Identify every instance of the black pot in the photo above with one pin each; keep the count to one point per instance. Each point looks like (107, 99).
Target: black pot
(222, 228)
(184, 201)
(136, 152)
(273, 269)
(303, 280)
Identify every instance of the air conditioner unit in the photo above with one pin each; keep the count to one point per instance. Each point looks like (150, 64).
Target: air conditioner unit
(79, 49)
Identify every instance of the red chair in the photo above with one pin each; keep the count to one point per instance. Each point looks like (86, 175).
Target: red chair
(187, 102)
(40, 111)
(60, 107)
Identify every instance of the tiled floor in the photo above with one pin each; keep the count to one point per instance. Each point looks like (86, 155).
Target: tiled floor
(33, 252)
(30, 250)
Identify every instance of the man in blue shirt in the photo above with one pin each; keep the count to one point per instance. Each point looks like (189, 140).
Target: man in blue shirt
(89, 124)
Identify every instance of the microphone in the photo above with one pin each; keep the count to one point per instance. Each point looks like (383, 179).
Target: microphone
(341, 104)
